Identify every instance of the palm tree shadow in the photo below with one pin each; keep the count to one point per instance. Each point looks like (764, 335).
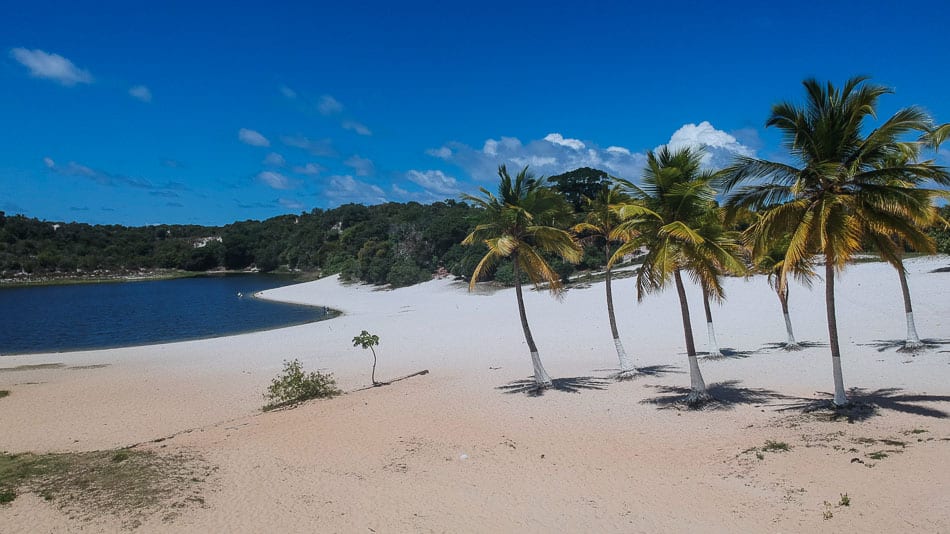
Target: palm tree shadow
(866, 404)
(898, 344)
(801, 345)
(569, 385)
(648, 371)
(728, 353)
(725, 396)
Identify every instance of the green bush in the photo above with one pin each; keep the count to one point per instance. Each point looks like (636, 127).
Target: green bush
(293, 385)
(407, 273)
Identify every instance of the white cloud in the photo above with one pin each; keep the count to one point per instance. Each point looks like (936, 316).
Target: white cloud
(344, 188)
(290, 203)
(288, 92)
(252, 137)
(720, 146)
(310, 169)
(356, 127)
(329, 105)
(51, 66)
(361, 166)
(317, 147)
(441, 152)
(542, 156)
(275, 180)
(558, 139)
(49, 162)
(274, 159)
(434, 181)
(141, 92)
(398, 191)
(554, 153)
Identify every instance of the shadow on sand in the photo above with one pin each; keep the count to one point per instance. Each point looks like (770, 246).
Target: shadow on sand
(898, 344)
(866, 404)
(725, 396)
(570, 385)
(802, 345)
(648, 371)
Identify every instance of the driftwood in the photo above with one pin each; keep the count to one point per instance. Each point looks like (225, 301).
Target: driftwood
(378, 384)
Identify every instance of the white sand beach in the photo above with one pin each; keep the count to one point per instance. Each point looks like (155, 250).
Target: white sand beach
(457, 451)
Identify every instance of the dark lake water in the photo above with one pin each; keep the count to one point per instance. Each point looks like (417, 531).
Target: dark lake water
(89, 316)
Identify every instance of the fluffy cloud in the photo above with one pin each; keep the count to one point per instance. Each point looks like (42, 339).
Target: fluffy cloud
(558, 139)
(51, 66)
(329, 105)
(345, 188)
(434, 181)
(356, 127)
(275, 180)
(441, 152)
(275, 160)
(720, 146)
(252, 137)
(317, 147)
(310, 169)
(554, 153)
(141, 92)
(361, 166)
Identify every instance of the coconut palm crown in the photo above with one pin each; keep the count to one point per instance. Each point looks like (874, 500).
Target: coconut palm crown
(839, 186)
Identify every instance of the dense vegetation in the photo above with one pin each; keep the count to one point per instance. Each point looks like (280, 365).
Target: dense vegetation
(392, 243)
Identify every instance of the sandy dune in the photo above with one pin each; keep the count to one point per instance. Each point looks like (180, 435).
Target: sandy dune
(462, 450)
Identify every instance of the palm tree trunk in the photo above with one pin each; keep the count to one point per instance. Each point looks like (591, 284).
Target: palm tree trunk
(374, 365)
(840, 398)
(626, 364)
(541, 377)
(697, 394)
(791, 344)
(713, 345)
(913, 341)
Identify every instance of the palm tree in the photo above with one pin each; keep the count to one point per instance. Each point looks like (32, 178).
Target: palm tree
(839, 189)
(891, 241)
(712, 228)
(676, 190)
(771, 262)
(601, 223)
(519, 224)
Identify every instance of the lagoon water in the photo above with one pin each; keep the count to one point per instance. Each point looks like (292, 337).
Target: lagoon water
(91, 316)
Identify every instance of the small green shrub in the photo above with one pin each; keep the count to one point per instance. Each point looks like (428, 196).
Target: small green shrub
(6, 496)
(4, 393)
(877, 455)
(845, 500)
(293, 385)
(775, 446)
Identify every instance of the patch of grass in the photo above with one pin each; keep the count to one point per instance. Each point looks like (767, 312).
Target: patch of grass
(893, 442)
(293, 386)
(4, 393)
(845, 500)
(916, 431)
(759, 455)
(125, 482)
(776, 446)
(877, 455)
(865, 441)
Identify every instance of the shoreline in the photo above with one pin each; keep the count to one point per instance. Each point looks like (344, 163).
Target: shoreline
(462, 446)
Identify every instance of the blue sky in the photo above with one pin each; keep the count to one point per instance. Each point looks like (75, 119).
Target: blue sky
(180, 112)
